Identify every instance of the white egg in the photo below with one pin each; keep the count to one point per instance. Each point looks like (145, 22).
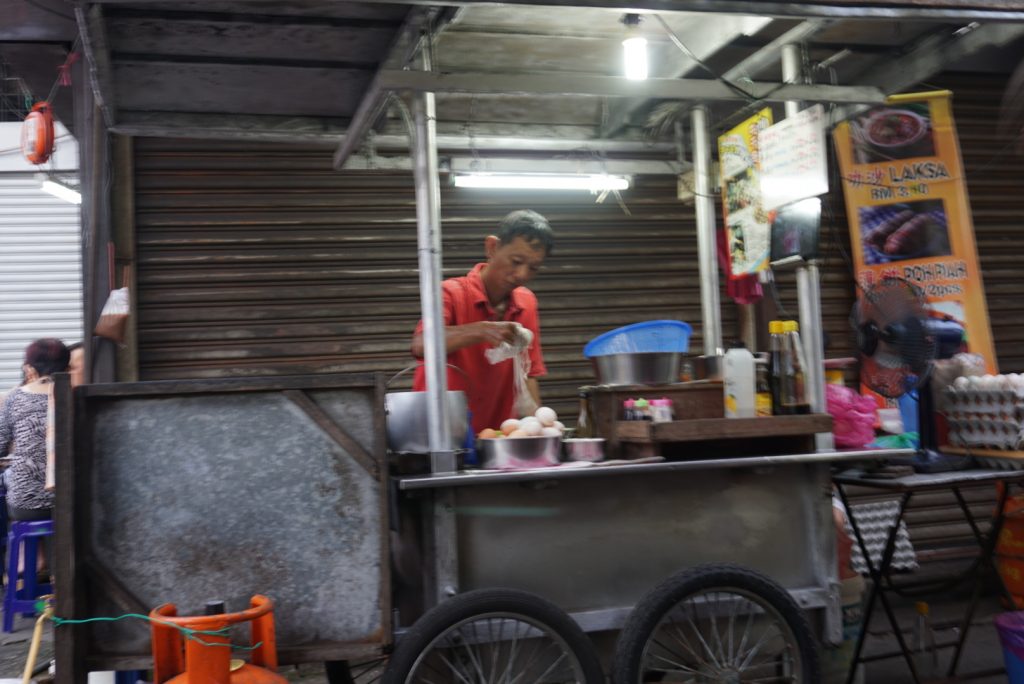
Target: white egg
(961, 383)
(558, 424)
(551, 432)
(975, 381)
(510, 426)
(531, 427)
(546, 416)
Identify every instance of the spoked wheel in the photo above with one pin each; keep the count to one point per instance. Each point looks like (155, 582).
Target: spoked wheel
(494, 636)
(717, 623)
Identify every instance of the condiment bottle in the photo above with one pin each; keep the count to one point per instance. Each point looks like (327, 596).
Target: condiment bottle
(629, 409)
(643, 409)
(738, 382)
(763, 397)
(661, 410)
(584, 429)
(796, 403)
(777, 366)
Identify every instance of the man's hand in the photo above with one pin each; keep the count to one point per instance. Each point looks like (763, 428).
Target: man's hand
(494, 332)
(458, 337)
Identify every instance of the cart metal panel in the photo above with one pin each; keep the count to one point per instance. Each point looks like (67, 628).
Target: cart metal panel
(198, 490)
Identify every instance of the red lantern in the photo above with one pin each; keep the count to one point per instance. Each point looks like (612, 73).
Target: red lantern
(37, 133)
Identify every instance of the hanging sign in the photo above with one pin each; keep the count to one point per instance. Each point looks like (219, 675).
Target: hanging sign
(908, 209)
(793, 159)
(746, 222)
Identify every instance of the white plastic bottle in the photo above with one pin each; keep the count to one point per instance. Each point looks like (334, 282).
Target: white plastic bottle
(739, 382)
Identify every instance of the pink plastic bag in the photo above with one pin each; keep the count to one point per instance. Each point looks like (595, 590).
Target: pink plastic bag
(853, 416)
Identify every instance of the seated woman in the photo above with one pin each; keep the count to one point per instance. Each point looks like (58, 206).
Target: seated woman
(23, 421)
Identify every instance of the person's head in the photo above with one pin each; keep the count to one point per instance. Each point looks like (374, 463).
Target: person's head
(76, 363)
(45, 357)
(516, 253)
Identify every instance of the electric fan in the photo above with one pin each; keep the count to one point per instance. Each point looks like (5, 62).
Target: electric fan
(898, 341)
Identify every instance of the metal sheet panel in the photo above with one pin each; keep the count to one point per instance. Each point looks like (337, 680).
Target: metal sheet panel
(259, 259)
(40, 270)
(214, 490)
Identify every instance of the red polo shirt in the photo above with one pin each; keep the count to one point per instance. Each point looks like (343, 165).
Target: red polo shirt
(490, 389)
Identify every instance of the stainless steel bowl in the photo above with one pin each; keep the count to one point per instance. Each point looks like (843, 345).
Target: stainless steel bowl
(648, 368)
(584, 449)
(520, 452)
(407, 421)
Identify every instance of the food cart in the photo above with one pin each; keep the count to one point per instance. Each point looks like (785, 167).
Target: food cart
(340, 544)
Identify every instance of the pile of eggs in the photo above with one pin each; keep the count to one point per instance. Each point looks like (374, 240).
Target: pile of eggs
(986, 411)
(543, 423)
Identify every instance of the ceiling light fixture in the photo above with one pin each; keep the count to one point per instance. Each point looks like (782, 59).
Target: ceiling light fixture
(634, 49)
(61, 191)
(542, 181)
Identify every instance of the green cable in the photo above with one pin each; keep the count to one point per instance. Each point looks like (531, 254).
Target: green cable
(187, 631)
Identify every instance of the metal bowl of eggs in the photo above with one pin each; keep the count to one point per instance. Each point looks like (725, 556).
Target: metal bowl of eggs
(520, 452)
(532, 442)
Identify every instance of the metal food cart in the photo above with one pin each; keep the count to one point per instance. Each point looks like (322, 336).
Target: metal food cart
(149, 508)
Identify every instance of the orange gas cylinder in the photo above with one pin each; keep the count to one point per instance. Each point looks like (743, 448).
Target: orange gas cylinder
(188, 661)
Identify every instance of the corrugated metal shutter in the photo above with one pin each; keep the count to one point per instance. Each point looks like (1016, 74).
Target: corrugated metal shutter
(259, 259)
(40, 270)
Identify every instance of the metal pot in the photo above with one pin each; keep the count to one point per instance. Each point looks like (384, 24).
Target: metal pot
(407, 421)
(584, 449)
(647, 368)
(520, 452)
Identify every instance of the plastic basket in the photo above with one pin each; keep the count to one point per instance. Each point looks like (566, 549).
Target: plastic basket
(641, 338)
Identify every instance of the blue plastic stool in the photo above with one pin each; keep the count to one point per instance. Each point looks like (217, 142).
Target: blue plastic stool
(23, 539)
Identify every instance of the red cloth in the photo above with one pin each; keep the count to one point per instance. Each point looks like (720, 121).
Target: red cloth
(491, 388)
(745, 289)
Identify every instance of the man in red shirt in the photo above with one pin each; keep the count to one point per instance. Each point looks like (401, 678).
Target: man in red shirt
(481, 310)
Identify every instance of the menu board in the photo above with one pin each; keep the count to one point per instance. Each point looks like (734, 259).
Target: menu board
(793, 159)
(906, 200)
(747, 225)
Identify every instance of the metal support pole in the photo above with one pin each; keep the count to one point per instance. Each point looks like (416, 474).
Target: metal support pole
(428, 237)
(707, 247)
(808, 288)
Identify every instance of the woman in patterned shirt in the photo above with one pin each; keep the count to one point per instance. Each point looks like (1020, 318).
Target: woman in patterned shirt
(23, 421)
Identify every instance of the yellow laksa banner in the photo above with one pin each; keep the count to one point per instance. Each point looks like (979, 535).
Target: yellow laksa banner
(906, 200)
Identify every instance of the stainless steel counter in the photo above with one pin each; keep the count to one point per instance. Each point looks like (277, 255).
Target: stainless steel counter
(470, 478)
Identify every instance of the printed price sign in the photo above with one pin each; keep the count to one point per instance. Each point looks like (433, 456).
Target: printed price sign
(793, 160)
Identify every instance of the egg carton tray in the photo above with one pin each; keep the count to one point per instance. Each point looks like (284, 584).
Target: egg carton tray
(1000, 462)
(983, 401)
(986, 434)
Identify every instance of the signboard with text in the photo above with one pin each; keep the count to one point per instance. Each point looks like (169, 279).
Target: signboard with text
(907, 204)
(793, 165)
(746, 222)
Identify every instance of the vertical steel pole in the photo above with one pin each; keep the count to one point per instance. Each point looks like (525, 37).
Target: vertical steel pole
(808, 288)
(808, 292)
(428, 236)
(707, 248)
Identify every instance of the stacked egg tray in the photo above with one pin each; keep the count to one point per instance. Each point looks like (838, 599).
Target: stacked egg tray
(986, 419)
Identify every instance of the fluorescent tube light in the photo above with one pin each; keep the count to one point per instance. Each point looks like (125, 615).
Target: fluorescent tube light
(61, 191)
(539, 181)
(635, 52)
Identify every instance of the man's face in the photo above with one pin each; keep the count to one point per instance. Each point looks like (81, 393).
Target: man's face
(76, 367)
(510, 265)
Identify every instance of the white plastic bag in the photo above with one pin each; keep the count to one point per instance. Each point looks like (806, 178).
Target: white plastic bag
(519, 352)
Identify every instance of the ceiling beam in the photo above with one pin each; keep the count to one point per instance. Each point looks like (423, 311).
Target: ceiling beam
(931, 56)
(325, 132)
(420, 21)
(608, 86)
(769, 54)
(92, 30)
(884, 10)
(705, 37)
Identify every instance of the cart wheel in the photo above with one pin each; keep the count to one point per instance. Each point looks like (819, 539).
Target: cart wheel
(355, 671)
(716, 623)
(494, 635)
